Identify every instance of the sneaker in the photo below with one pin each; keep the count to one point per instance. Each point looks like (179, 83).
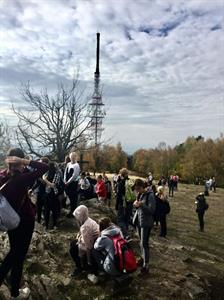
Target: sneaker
(92, 278)
(23, 294)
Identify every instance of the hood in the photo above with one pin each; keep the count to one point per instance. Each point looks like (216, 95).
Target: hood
(81, 214)
(111, 231)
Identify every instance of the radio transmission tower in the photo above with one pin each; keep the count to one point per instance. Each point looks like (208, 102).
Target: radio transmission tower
(96, 106)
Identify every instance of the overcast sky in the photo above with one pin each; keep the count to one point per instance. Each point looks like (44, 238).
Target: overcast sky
(162, 65)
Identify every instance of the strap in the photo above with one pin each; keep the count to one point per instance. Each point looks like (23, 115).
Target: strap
(5, 184)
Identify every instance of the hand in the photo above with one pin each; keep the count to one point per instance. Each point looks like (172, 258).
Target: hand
(136, 203)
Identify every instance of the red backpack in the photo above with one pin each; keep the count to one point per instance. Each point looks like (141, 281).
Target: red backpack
(124, 256)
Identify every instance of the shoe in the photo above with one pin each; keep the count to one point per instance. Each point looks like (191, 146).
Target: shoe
(92, 278)
(23, 294)
(76, 272)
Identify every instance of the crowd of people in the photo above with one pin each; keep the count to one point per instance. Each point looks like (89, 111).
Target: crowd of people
(139, 204)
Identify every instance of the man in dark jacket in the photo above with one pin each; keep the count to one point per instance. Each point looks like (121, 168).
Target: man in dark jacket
(202, 206)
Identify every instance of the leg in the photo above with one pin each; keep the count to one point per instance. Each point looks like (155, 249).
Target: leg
(121, 220)
(74, 252)
(128, 214)
(201, 220)
(163, 229)
(97, 259)
(23, 242)
(47, 210)
(145, 233)
(55, 206)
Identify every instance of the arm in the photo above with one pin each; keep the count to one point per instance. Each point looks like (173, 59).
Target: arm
(149, 207)
(100, 243)
(39, 169)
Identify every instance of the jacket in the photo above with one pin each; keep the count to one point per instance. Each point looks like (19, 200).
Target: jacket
(16, 190)
(120, 192)
(144, 214)
(106, 246)
(89, 230)
(101, 190)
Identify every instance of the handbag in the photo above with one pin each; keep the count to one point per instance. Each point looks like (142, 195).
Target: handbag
(9, 218)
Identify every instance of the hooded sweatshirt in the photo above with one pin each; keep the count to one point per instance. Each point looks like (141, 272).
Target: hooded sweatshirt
(89, 230)
(106, 246)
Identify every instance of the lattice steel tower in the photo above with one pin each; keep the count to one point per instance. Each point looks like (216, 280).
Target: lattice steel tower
(96, 106)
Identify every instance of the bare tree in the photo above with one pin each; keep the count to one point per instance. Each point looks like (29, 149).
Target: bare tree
(53, 125)
(4, 139)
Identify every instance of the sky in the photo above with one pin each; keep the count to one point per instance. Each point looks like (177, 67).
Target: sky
(161, 62)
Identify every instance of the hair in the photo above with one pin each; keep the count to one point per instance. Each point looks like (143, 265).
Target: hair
(104, 223)
(83, 174)
(124, 172)
(73, 154)
(45, 160)
(160, 189)
(16, 152)
(140, 183)
(99, 177)
(67, 159)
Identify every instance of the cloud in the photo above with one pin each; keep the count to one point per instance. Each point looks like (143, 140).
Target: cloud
(161, 61)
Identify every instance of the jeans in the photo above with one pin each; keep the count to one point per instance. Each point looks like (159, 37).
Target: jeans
(144, 233)
(19, 240)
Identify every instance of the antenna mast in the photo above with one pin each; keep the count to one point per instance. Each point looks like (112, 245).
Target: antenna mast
(96, 106)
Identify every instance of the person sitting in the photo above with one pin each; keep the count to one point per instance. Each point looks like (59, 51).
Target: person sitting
(103, 252)
(80, 248)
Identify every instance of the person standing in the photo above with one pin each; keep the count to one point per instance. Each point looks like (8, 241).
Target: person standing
(101, 190)
(163, 208)
(143, 219)
(201, 207)
(17, 180)
(124, 208)
(71, 177)
(171, 185)
(52, 180)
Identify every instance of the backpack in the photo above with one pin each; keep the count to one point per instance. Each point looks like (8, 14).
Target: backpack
(9, 219)
(129, 193)
(124, 257)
